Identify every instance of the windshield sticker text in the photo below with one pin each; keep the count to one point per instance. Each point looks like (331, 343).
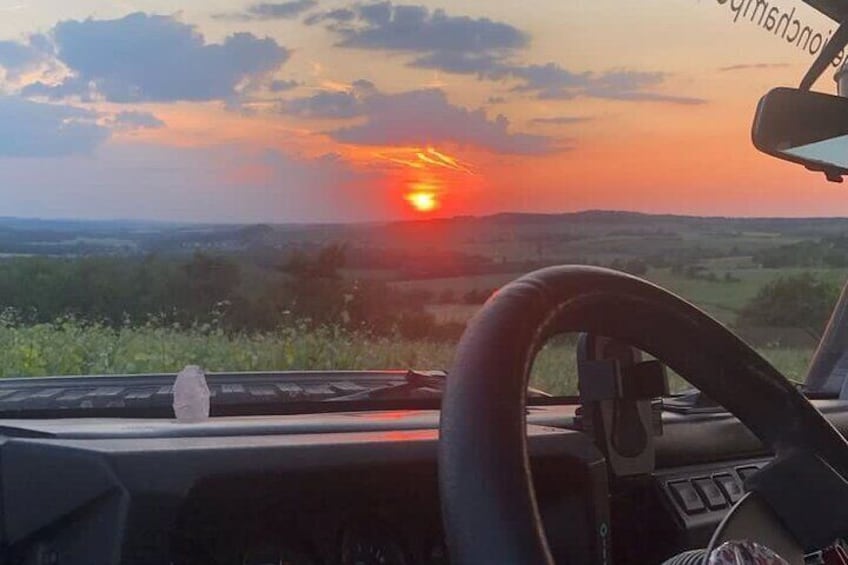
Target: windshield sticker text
(782, 23)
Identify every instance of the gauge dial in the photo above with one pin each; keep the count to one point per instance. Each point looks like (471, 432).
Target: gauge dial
(268, 555)
(365, 548)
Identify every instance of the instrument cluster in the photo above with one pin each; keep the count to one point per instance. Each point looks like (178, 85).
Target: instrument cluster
(385, 516)
(365, 543)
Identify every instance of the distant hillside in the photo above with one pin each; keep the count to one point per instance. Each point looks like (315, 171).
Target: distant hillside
(498, 241)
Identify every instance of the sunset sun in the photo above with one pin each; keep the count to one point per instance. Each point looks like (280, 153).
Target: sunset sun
(423, 201)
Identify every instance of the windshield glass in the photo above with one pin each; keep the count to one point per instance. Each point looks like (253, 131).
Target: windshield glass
(317, 184)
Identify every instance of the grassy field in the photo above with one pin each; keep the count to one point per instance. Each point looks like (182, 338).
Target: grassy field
(724, 299)
(720, 298)
(70, 348)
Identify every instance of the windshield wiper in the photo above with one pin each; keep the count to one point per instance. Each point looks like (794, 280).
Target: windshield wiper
(416, 385)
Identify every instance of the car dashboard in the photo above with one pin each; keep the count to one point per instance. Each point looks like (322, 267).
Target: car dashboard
(339, 488)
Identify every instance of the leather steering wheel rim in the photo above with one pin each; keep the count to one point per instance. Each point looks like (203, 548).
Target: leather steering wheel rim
(488, 505)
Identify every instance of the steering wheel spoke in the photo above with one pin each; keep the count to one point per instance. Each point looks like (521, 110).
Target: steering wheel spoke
(752, 519)
(807, 497)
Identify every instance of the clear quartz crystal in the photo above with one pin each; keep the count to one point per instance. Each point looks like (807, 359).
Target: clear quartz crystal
(191, 395)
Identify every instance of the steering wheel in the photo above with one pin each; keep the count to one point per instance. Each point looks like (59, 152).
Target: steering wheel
(488, 504)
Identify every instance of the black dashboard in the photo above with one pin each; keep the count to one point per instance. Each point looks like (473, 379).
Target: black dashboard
(332, 488)
(354, 487)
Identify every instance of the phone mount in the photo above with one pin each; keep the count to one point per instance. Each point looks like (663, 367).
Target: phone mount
(621, 404)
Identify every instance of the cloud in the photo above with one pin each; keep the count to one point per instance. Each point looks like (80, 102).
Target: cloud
(636, 96)
(415, 28)
(33, 129)
(560, 120)
(333, 104)
(326, 105)
(752, 66)
(553, 82)
(426, 117)
(271, 11)
(16, 57)
(456, 44)
(282, 85)
(482, 47)
(549, 81)
(483, 64)
(153, 58)
(416, 117)
(133, 119)
(337, 16)
(70, 87)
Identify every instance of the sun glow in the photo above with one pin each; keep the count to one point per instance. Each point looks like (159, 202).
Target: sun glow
(422, 200)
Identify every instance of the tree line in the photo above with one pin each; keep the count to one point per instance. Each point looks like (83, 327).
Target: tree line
(302, 288)
(213, 289)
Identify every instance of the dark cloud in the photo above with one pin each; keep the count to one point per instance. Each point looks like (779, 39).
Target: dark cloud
(33, 129)
(282, 85)
(637, 96)
(483, 64)
(72, 86)
(454, 44)
(154, 58)
(134, 119)
(752, 66)
(326, 105)
(380, 13)
(548, 81)
(553, 82)
(337, 16)
(560, 120)
(19, 57)
(417, 29)
(333, 104)
(281, 10)
(496, 100)
(426, 116)
(271, 11)
(483, 47)
(416, 117)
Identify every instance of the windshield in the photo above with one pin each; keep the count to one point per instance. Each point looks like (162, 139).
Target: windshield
(328, 185)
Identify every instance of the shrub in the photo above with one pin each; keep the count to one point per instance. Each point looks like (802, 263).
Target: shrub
(801, 301)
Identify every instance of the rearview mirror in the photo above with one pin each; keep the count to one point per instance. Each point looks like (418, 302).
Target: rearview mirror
(804, 127)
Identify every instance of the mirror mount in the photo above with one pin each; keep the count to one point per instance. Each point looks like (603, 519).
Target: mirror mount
(832, 174)
(828, 53)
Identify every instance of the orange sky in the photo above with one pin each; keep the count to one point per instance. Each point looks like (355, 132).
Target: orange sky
(402, 139)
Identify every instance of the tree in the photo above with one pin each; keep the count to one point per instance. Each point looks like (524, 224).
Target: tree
(800, 301)
(209, 281)
(314, 288)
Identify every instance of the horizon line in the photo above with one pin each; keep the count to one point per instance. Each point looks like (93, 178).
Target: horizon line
(318, 223)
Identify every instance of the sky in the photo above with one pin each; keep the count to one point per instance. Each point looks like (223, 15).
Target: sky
(326, 111)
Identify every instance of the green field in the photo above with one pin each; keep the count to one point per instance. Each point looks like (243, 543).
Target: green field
(70, 348)
(721, 299)
(724, 299)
